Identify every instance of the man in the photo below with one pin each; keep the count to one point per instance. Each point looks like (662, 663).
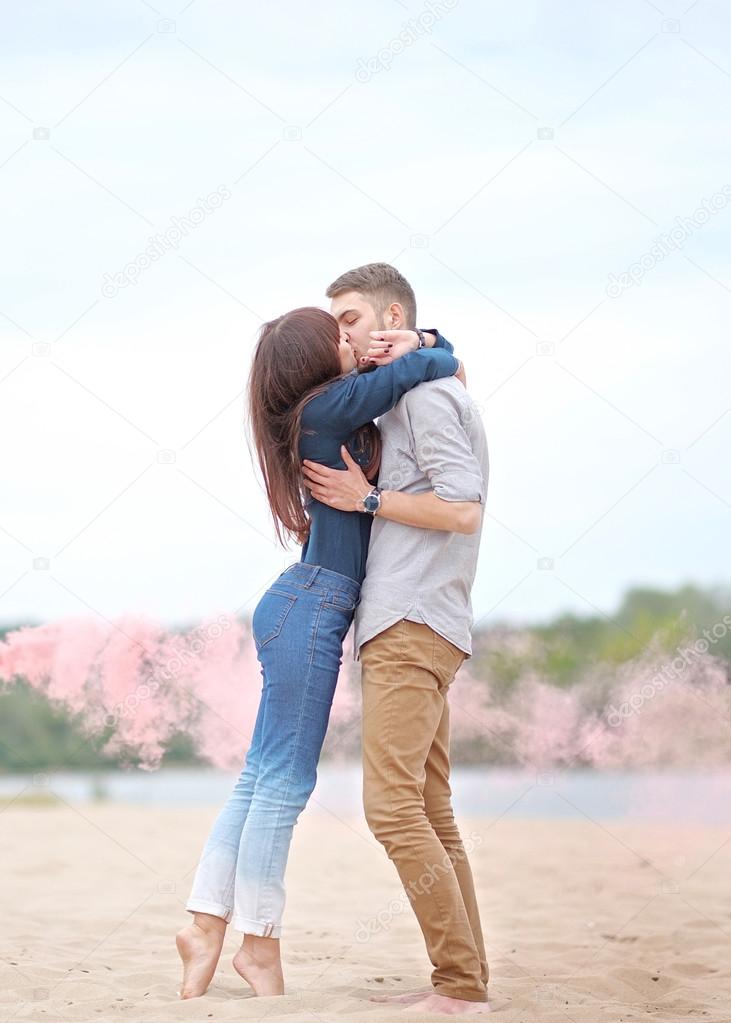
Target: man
(412, 628)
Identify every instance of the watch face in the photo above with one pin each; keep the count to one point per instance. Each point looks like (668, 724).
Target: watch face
(371, 503)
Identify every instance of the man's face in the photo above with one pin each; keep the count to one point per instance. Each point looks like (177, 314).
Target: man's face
(356, 317)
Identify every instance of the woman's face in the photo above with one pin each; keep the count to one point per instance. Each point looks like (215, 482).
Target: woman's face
(347, 359)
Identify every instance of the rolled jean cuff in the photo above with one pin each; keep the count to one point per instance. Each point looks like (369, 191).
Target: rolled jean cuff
(467, 995)
(214, 908)
(261, 930)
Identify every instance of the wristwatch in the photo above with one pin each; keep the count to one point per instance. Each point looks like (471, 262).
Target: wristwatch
(422, 338)
(372, 501)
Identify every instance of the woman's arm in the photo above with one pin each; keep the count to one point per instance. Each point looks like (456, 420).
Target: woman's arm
(440, 341)
(355, 400)
(345, 490)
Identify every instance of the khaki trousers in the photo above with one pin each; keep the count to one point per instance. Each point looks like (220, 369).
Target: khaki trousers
(407, 670)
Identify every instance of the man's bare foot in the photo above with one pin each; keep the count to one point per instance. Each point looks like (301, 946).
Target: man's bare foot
(259, 963)
(406, 998)
(199, 946)
(447, 1006)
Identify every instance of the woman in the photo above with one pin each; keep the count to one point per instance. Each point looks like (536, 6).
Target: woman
(305, 401)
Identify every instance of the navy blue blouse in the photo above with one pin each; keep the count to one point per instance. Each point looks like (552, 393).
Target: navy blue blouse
(339, 540)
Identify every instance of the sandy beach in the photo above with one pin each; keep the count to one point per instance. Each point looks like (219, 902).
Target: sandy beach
(585, 921)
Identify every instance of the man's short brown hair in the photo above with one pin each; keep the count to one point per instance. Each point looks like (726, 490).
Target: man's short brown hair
(382, 284)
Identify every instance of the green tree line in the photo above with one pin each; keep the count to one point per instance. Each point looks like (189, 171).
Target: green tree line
(37, 735)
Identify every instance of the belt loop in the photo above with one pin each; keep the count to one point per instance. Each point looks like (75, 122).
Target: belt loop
(313, 575)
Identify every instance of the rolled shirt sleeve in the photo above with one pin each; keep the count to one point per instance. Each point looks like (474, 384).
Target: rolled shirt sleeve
(443, 449)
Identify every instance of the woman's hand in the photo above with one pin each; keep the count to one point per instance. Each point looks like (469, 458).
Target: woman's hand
(343, 489)
(388, 345)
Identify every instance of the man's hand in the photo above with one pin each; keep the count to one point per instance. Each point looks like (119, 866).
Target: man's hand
(343, 489)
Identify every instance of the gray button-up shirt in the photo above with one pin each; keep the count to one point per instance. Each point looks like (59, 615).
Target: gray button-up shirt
(432, 440)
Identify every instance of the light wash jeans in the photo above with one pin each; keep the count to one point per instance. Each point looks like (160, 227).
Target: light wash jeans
(299, 626)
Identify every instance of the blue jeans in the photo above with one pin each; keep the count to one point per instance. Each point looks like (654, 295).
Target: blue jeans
(299, 626)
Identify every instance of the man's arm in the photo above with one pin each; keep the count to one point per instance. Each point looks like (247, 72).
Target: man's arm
(443, 449)
(345, 490)
(427, 511)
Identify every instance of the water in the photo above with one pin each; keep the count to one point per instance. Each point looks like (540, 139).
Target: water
(477, 792)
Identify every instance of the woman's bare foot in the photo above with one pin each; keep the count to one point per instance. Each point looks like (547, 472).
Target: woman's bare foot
(199, 946)
(447, 1006)
(259, 963)
(406, 998)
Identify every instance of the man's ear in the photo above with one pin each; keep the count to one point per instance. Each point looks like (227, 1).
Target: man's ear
(394, 317)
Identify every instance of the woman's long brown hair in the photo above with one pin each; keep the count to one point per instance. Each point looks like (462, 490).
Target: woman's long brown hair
(296, 358)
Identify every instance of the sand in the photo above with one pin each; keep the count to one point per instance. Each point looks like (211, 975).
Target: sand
(585, 920)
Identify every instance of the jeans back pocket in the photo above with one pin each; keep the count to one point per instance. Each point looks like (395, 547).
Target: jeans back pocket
(270, 615)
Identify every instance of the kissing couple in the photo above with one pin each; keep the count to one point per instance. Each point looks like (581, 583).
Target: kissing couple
(388, 517)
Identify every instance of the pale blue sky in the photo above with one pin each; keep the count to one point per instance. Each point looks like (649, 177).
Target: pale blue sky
(508, 161)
